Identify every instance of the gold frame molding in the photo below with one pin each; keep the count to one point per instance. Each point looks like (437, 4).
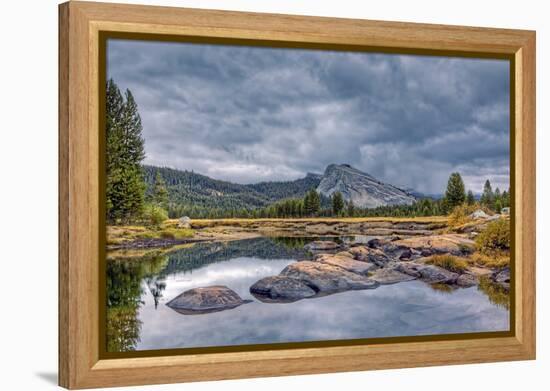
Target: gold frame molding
(82, 26)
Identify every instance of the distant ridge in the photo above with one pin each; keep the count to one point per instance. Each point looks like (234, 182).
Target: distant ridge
(190, 188)
(200, 191)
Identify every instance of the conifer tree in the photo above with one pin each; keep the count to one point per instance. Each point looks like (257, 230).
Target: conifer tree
(351, 208)
(455, 193)
(160, 195)
(470, 199)
(125, 187)
(487, 198)
(337, 203)
(312, 203)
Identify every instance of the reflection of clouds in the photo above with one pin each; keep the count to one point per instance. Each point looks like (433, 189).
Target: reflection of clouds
(404, 309)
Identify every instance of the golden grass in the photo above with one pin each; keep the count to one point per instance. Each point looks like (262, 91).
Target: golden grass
(449, 262)
(126, 233)
(202, 223)
(176, 233)
(496, 260)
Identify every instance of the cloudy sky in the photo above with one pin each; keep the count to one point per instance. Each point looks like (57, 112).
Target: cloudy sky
(249, 114)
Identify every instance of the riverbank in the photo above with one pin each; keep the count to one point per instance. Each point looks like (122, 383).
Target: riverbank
(170, 232)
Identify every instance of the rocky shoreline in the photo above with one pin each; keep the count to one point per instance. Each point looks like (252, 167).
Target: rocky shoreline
(338, 268)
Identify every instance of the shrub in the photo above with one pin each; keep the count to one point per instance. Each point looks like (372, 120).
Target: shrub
(497, 260)
(459, 215)
(154, 214)
(173, 233)
(449, 262)
(495, 238)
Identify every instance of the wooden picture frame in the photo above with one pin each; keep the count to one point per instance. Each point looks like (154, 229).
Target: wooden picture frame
(80, 27)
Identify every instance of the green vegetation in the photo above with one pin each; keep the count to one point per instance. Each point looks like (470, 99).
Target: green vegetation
(460, 214)
(176, 233)
(337, 203)
(198, 196)
(449, 262)
(455, 194)
(494, 200)
(470, 199)
(495, 238)
(153, 214)
(125, 188)
(312, 203)
(160, 194)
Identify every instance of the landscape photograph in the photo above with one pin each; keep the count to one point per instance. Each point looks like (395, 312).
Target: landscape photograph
(263, 195)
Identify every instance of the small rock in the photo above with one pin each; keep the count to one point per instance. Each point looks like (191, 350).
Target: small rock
(406, 254)
(502, 276)
(184, 222)
(205, 300)
(377, 243)
(478, 214)
(279, 289)
(466, 280)
(322, 245)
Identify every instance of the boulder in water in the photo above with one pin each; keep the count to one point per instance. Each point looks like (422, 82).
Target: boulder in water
(205, 300)
(280, 289)
(325, 278)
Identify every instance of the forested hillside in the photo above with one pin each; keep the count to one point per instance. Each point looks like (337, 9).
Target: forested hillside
(194, 194)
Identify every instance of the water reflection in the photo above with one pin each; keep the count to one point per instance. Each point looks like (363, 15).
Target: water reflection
(137, 290)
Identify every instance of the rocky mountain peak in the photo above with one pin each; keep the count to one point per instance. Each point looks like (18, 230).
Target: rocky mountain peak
(363, 189)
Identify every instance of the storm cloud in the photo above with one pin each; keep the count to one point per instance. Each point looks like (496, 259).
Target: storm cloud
(252, 114)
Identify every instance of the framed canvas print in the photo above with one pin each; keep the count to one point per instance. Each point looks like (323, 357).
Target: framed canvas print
(247, 195)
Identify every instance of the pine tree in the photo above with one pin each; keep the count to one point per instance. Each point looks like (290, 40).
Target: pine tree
(337, 203)
(312, 203)
(487, 198)
(315, 202)
(455, 193)
(125, 187)
(498, 205)
(160, 195)
(470, 199)
(506, 198)
(351, 208)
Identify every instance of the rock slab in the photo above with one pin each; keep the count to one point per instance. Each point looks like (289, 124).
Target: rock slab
(278, 289)
(206, 300)
(347, 263)
(325, 278)
(322, 245)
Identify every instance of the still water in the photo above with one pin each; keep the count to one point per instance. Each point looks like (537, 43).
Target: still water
(138, 290)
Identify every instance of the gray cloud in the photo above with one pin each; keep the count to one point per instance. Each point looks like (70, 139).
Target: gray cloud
(249, 114)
